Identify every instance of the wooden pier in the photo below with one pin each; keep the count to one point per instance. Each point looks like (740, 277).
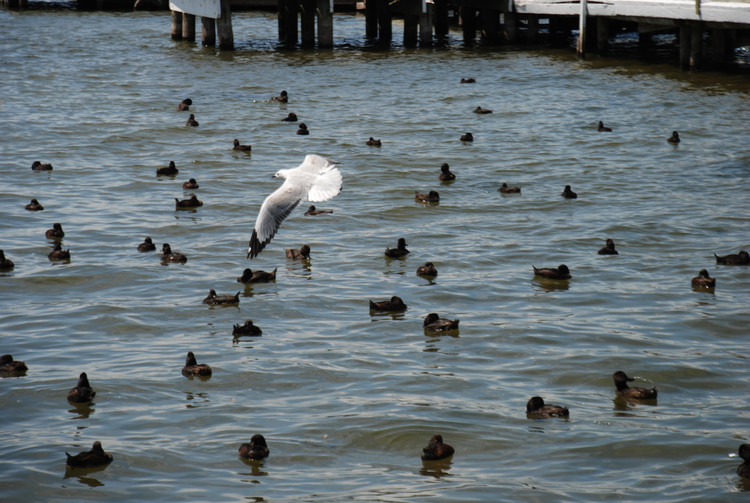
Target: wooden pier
(727, 23)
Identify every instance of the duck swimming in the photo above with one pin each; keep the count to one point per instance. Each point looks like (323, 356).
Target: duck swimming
(256, 449)
(89, 459)
(621, 383)
(192, 202)
(56, 232)
(373, 142)
(191, 121)
(703, 280)
(744, 469)
(83, 392)
(608, 248)
(568, 193)
(167, 255)
(291, 117)
(469, 80)
(147, 245)
(562, 272)
(399, 252)
(193, 368)
(436, 449)
(10, 367)
(250, 276)
(393, 305)
(445, 173)
(190, 184)
(184, 105)
(480, 110)
(675, 138)
(34, 206)
(434, 323)
(428, 269)
(603, 129)
(241, 148)
(214, 300)
(39, 166)
(504, 189)
(537, 408)
(170, 170)
(467, 137)
(283, 97)
(58, 254)
(6, 264)
(741, 258)
(432, 197)
(303, 129)
(312, 210)
(247, 329)
(301, 254)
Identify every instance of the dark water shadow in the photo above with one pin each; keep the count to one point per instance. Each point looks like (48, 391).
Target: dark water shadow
(438, 469)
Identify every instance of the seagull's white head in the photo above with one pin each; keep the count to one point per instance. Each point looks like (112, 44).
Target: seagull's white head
(282, 173)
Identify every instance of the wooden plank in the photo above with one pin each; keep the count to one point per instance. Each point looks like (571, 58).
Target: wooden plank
(202, 8)
(709, 11)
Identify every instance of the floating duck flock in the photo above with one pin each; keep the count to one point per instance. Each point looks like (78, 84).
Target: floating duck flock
(274, 212)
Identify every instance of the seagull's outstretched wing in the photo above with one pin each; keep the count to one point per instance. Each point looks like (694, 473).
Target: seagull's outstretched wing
(316, 179)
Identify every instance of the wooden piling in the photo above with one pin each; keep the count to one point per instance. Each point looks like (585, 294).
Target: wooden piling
(290, 12)
(425, 24)
(325, 24)
(281, 18)
(581, 43)
(510, 26)
(208, 31)
(490, 24)
(371, 20)
(188, 27)
(602, 36)
(684, 46)
(176, 25)
(385, 19)
(532, 29)
(411, 26)
(224, 27)
(468, 23)
(441, 19)
(307, 15)
(696, 46)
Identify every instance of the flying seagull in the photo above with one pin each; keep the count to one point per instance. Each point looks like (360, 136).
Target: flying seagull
(316, 179)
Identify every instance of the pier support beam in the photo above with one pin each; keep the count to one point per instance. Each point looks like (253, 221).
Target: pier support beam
(468, 23)
(411, 27)
(696, 46)
(307, 13)
(208, 31)
(490, 21)
(532, 29)
(602, 36)
(385, 20)
(510, 26)
(325, 24)
(685, 47)
(176, 25)
(188, 27)
(224, 27)
(581, 44)
(371, 20)
(441, 19)
(425, 24)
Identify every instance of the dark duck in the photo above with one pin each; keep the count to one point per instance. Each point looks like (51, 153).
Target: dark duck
(621, 383)
(256, 450)
(82, 392)
(193, 368)
(398, 252)
(536, 407)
